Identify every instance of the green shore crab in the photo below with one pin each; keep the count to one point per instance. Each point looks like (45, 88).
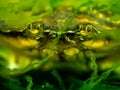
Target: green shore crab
(84, 33)
(52, 26)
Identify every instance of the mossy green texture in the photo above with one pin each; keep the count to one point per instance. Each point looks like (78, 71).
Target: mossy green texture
(18, 13)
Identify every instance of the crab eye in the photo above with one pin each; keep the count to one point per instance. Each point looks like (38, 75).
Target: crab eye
(86, 31)
(29, 26)
(89, 28)
(34, 30)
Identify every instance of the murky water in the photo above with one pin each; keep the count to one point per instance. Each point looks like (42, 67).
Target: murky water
(64, 47)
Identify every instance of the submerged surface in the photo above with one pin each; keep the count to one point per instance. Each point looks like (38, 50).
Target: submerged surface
(77, 44)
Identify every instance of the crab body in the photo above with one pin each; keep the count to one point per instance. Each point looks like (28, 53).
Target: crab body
(53, 25)
(83, 34)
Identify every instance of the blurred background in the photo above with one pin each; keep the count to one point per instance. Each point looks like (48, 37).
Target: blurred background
(16, 14)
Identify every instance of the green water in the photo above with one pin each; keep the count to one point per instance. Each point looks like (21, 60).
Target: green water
(17, 13)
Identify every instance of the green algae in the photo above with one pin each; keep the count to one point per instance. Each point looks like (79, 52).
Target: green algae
(12, 14)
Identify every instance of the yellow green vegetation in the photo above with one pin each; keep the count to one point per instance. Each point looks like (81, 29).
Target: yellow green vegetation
(53, 37)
